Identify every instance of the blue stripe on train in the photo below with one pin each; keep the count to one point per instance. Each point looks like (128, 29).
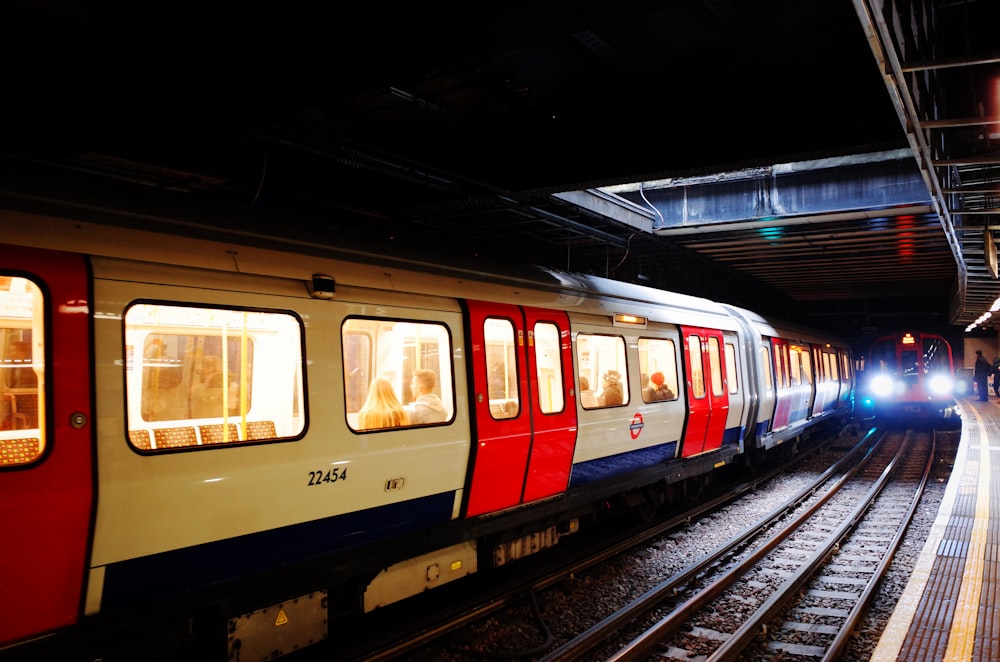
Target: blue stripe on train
(170, 573)
(731, 436)
(615, 465)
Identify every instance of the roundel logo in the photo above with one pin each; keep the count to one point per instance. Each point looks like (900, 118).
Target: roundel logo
(636, 426)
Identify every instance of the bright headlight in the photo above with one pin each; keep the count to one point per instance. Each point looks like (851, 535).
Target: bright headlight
(940, 385)
(882, 385)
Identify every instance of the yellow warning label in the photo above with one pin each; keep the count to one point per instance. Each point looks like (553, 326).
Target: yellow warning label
(281, 619)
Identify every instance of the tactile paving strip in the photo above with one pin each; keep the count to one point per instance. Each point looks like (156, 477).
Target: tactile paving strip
(948, 611)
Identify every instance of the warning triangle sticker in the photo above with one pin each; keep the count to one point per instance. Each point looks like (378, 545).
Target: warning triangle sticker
(281, 619)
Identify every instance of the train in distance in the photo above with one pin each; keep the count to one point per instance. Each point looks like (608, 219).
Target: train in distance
(910, 377)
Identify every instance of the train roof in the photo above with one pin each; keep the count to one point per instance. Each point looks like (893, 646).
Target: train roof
(360, 266)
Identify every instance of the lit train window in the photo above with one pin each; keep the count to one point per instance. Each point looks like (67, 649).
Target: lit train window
(501, 367)
(805, 365)
(799, 365)
(22, 374)
(198, 376)
(697, 368)
(734, 384)
(658, 362)
(765, 368)
(603, 375)
(781, 366)
(397, 373)
(548, 368)
(715, 365)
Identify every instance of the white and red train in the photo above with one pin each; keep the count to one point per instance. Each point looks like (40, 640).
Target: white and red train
(187, 459)
(910, 377)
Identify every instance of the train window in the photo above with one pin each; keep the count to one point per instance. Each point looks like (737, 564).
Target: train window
(501, 364)
(936, 356)
(805, 364)
(601, 362)
(697, 368)
(658, 363)
(799, 365)
(883, 357)
(548, 368)
(909, 362)
(781, 365)
(765, 368)
(734, 385)
(715, 366)
(200, 376)
(22, 374)
(397, 373)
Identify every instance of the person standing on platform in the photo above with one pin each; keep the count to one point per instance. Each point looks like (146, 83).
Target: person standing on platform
(982, 371)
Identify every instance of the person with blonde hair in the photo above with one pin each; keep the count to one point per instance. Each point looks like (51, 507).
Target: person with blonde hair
(382, 409)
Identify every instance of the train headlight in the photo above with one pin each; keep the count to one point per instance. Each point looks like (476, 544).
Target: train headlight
(882, 385)
(940, 385)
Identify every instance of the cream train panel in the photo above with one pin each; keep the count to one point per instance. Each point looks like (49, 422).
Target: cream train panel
(178, 499)
(610, 431)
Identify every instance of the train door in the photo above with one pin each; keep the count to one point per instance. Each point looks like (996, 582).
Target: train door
(736, 371)
(525, 423)
(846, 378)
(826, 380)
(782, 383)
(708, 399)
(46, 470)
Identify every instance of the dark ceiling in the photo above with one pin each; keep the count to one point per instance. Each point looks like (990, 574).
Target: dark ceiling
(450, 128)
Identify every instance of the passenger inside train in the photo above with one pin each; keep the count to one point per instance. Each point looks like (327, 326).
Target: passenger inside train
(382, 409)
(611, 389)
(426, 406)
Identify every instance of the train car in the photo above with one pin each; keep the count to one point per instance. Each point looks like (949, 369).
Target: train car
(218, 447)
(910, 376)
(804, 377)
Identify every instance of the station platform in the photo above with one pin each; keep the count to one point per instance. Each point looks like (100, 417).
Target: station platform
(949, 609)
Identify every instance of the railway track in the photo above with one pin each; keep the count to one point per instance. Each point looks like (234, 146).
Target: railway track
(793, 585)
(423, 632)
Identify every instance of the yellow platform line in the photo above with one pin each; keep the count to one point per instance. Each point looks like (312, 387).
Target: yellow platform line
(962, 638)
(898, 626)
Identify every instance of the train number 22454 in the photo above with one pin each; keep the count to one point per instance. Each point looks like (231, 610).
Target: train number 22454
(328, 476)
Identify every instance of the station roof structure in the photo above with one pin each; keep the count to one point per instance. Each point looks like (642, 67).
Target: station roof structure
(834, 162)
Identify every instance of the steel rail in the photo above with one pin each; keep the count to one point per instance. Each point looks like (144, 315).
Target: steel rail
(588, 639)
(645, 644)
(840, 642)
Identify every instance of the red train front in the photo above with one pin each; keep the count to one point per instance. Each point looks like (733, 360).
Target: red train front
(911, 376)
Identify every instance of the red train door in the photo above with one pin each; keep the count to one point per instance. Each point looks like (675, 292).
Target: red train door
(46, 471)
(707, 395)
(553, 413)
(525, 423)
